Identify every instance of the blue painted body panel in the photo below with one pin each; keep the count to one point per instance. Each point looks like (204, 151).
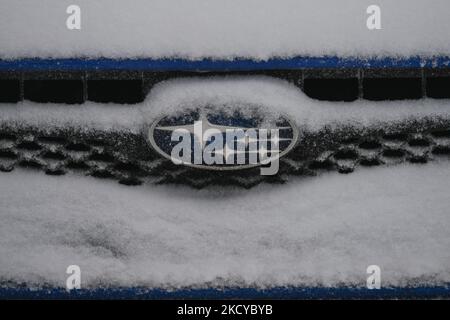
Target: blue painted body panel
(219, 65)
(230, 293)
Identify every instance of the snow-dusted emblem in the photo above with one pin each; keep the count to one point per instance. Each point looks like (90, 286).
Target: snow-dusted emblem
(223, 141)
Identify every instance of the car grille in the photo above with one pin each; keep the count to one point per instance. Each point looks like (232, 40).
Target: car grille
(127, 158)
(132, 86)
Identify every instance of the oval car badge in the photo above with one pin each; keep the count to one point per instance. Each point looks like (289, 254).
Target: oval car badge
(222, 141)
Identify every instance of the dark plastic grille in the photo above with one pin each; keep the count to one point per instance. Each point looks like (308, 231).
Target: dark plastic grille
(117, 91)
(438, 88)
(130, 87)
(127, 158)
(379, 89)
(332, 89)
(10, 91)
(56, 91)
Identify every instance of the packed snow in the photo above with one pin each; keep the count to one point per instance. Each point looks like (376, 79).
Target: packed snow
(271, 96)
(108, 117)
(225, 29)
(274, 96)
(321, 231)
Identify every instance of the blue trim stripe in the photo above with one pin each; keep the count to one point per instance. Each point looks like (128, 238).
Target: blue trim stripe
(230, 293)
(219, 65)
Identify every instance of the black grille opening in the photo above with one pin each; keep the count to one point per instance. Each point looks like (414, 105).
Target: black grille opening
(29, 145)
(419, 142)
(102, 173)
(9, 91)
(7, 136)
(117, 91)
(332, 89)
(418, 159)
(321, 164)
(53, 155)
(105, 157)
(370, 144)
(74, 146)
(55, 91)
(8, 154)
(441, 150)
(438, 88)
(30, 163)
(395, 136)
(437, 133)
(77, 165)
(346, 154)
(53, 139)
(130, 181)
(379, 89)
(370, 162)
(393, 153)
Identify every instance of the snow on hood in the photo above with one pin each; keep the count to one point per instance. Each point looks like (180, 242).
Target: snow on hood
(194, 29)
(321, 231)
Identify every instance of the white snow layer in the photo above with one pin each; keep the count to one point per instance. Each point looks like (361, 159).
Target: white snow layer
(321, 231)
(271, 96)
(194, 29)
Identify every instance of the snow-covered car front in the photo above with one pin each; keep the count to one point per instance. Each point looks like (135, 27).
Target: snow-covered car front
(91, 94)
